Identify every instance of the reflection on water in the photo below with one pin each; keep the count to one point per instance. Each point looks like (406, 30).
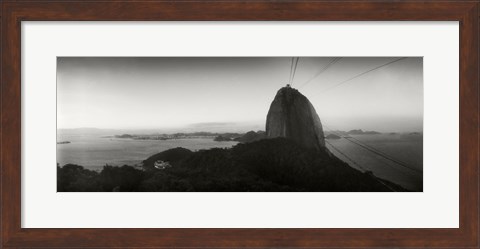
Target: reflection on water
(407, 148)
(94, 151)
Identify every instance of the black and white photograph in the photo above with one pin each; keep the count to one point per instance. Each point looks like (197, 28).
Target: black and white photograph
(239, 124)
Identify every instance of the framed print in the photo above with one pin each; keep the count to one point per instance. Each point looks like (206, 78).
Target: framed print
(169, 151)
(226, 124)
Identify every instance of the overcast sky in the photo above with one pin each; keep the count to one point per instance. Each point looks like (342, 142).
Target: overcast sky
(234, 93)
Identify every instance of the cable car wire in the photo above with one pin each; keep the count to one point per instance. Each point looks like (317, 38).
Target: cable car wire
(291, 70)
(294, 70)
(358, 165)
(323, 69)
(361, 74)
(376, 151)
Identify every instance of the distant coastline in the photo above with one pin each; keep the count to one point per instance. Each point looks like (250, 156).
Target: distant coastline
(175, 136)
(219, 137)
(241, 137)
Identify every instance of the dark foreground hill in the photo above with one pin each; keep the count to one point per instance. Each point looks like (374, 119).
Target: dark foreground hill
(266, 165)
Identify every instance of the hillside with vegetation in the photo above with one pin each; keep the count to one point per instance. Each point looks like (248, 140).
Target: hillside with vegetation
(273, 165)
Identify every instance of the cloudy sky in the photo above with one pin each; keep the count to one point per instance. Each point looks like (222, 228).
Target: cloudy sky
(234, 93)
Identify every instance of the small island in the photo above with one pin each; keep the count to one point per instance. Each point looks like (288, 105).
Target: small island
(333, 136)
(361, 132)
(221, 138)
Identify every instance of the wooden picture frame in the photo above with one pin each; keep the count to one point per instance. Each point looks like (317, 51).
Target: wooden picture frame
(13, 12)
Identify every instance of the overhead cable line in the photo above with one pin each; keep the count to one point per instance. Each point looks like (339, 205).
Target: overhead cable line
(361, 74)
(380, 153)
(294, 70)
(323, 69)
(343, 154)
(373, 148)
(291, 70)
(358, 165)
(377, 152)
(384, 156)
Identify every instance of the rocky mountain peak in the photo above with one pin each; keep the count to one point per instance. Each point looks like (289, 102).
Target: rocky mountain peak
(291, 115)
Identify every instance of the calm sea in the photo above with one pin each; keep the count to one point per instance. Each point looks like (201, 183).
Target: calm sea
(95, 151)
(404, 148)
